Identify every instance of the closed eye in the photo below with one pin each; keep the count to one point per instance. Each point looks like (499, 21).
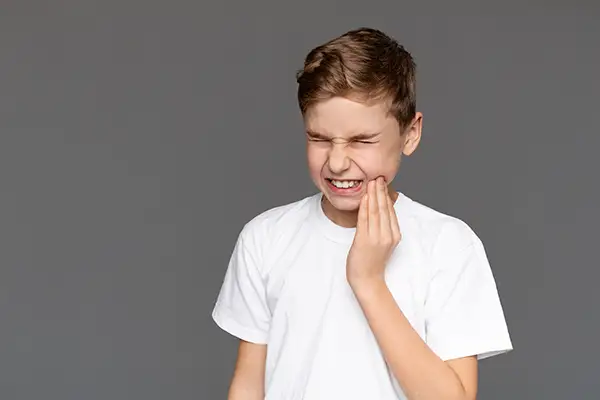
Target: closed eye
(324, 140)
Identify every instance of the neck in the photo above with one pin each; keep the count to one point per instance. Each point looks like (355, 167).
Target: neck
(346, 219)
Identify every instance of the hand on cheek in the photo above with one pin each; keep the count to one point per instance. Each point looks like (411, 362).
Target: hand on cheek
(377, 235)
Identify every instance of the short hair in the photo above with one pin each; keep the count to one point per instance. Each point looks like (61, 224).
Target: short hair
(363, 64)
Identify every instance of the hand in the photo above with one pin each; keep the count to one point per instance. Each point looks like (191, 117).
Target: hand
(377, 235)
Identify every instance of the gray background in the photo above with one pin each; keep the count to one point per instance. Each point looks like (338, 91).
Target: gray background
(137, 137)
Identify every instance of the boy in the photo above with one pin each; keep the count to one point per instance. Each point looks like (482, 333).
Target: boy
(359, 292)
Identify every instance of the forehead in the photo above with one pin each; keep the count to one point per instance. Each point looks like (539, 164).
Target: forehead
(340, 116)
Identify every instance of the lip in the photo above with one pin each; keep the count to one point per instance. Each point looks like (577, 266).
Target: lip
(344, 192)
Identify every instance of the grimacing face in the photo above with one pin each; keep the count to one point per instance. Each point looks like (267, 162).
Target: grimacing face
(350, 143)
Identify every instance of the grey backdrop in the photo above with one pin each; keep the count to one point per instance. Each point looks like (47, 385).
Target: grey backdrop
(137, 137)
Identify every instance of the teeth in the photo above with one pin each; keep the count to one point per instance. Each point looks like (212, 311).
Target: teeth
(345, 184)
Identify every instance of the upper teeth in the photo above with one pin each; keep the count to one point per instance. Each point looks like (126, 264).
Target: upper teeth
(345, 184)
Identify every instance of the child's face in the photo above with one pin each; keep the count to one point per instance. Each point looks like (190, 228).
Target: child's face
(340, 161)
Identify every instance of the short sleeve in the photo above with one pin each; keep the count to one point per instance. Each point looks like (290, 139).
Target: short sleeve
(464, 315)
(241, 308)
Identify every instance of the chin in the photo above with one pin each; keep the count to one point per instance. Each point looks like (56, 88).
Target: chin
(344, 204)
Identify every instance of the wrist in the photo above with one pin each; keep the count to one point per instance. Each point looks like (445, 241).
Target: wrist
(366, 284)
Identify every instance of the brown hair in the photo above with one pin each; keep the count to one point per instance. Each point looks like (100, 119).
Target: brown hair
(365, 64)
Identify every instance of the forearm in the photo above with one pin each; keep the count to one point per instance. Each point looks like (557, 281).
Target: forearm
(420, 372)
(243, 391)
(246, 386)
(249, 373)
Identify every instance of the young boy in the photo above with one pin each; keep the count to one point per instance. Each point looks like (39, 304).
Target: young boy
(359, 292)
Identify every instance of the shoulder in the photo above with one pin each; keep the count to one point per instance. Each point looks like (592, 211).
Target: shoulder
(437, 231)
(264, 228)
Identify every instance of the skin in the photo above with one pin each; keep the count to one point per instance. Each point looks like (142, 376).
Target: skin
(420, 372)
(248, 378)
(335, 150)
(338, 149)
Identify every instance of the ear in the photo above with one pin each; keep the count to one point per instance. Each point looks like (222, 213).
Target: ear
(412, 135)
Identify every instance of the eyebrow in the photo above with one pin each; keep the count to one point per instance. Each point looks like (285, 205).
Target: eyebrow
(360, 136)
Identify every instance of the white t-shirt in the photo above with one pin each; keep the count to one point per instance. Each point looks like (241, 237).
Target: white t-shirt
(286, 287)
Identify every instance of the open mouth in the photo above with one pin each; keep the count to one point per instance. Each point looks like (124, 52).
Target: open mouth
(344, 185)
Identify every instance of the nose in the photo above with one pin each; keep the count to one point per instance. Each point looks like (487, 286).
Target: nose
(338, 160)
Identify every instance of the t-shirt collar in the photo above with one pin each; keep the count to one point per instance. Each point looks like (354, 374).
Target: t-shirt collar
(335, 232)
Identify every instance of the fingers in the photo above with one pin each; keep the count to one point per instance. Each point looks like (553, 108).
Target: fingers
(383, 209)
(374, 222)
(376, 214)
(362, 223)
(394, 225)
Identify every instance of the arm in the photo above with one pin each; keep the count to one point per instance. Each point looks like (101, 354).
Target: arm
(420, 372)
(249, 372)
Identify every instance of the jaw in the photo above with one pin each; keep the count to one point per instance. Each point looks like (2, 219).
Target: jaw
(344, 204)
(347, 200)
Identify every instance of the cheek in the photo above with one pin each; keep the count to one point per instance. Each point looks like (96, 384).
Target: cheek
(380, 164)
(391, 163)
(315, 162)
